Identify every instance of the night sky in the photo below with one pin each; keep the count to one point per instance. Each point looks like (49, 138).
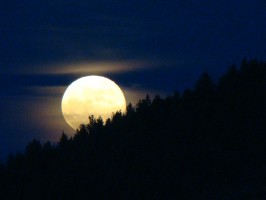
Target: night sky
(153, 47)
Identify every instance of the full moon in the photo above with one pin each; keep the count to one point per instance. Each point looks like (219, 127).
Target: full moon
(91, 95)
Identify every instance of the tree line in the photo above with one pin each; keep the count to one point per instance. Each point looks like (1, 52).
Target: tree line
(207, 142)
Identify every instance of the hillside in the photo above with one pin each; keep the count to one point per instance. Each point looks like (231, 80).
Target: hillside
(205, 143)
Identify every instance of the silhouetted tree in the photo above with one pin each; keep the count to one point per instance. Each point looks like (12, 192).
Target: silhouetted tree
(63, 141)
(196, 145)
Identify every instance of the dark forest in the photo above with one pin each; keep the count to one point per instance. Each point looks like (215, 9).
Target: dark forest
(207, 142)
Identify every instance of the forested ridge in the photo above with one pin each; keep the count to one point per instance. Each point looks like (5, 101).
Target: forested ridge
(207, 142)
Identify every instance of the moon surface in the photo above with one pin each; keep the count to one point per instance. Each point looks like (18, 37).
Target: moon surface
(91, 95)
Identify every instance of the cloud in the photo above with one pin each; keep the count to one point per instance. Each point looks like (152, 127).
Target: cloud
(66, 70)
(39, 113)
(91, 67)
(54, 91)
(147, 76)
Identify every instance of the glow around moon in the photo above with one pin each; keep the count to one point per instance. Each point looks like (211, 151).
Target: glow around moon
(91, 95)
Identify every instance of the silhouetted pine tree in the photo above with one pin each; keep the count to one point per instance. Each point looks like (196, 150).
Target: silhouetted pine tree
(206, 143)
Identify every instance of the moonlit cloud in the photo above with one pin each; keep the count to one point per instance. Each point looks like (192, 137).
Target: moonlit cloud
(43, 110)
(47, 115)
(56, 91)
(92, 67)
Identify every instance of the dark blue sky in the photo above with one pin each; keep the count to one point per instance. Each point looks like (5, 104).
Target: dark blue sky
(144, 46)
